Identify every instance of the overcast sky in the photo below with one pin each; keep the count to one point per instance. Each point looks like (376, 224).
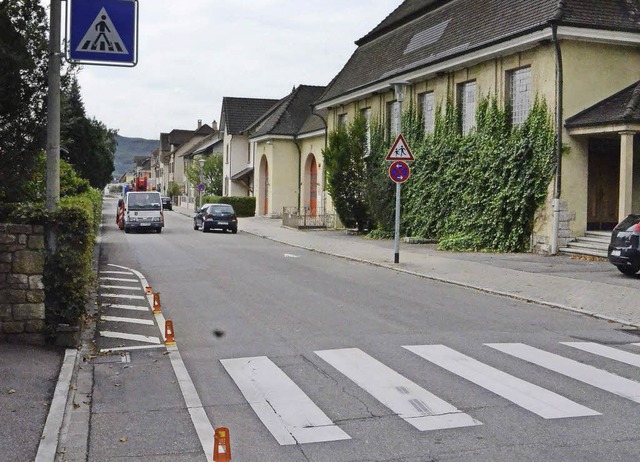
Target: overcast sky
(192, 53)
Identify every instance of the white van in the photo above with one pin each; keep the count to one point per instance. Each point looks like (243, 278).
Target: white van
(143, 210)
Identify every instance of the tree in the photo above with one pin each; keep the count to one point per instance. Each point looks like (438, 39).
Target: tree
(23, 84)
(210, 175)
(344, 159)
(87, 144)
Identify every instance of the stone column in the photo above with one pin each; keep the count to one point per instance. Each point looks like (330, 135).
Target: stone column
(626, 174)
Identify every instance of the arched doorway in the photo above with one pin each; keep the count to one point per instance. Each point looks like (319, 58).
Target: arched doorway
(264, 187)
(311, 177)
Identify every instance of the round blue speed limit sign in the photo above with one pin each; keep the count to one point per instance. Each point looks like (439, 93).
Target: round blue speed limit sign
(399, 171)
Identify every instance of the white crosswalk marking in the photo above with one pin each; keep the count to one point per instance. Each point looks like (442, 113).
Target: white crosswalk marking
(121, 287)
(536, 399)
(119, 279)
(417, 406)
(130, 297)
(147, 322)
(606, 351)
(286, 411)
(129, 307)
(136, 337)
(598, 378)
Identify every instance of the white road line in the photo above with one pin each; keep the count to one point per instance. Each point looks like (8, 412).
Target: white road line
(420, 408)
(598, 378)
(121, 287)
(128, 348)
(286, 411)
(606, 351)
(130, 297)
(636, 344)
(117, 272)
(129, 307)
(536, 399)
(147, 322)
(119, 279)
(136, 337)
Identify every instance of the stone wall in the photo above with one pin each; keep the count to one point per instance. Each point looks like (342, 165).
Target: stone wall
(541, 244)
(21, 287)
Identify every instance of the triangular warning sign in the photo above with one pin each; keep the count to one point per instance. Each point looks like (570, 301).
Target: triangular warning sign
(399, 150)
(102, 37)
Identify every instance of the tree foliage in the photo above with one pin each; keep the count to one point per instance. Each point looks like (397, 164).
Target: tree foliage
(87, 144)
(344, 159)
(23, 85)
(210, 175)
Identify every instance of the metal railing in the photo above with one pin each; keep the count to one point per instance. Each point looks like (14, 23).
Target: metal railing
(307, 218)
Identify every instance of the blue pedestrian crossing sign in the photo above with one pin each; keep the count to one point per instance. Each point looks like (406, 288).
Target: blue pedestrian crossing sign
(103, 32)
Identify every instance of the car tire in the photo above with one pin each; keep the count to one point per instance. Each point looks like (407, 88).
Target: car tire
(234, 230)
(195, 226)
(127, 229)
(204, 228)
(628, 270)
(159, 230)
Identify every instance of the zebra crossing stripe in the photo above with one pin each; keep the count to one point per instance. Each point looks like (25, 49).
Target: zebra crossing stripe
(286, 411)
(590, 375)
(119, 279)
(536, 399)
(136, 337)
(121, 287)
(606, 351)
(129, 307)
(147, 322)
(417, 406)
(130, 297)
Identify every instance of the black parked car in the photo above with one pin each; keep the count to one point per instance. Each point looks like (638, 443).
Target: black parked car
(216, 216)
(624, 248)
(166, 203)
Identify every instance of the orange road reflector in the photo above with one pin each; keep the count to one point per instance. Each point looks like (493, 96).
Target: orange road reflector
(221, 445)
(156, 302)
(147, 290)
(169, 338)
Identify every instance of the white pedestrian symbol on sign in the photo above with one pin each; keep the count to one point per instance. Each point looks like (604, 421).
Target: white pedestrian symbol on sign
(102, 36)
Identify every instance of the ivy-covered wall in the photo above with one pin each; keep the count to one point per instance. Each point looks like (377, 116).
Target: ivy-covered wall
(477, 192)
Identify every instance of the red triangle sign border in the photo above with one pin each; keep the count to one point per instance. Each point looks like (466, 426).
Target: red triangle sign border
(393, 152)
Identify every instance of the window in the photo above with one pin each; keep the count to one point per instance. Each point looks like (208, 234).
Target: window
(428, 111)
(467, 105)
(519, 87)
(342, 120)
(393, 119)
(366, 113)
(227, 158)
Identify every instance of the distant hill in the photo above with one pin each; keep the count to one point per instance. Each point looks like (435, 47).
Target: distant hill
(128, 148)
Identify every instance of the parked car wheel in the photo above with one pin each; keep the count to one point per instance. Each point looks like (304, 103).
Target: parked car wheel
(234, 230)
(628, 270)
(204, 228)
(195, 225)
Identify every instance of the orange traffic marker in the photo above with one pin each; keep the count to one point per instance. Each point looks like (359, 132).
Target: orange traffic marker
(169, 338)
(221, 445)
(147, 290)
(156, 302)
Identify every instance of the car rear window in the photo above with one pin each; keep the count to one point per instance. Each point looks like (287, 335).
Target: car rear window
(221, 209)
(628, 223)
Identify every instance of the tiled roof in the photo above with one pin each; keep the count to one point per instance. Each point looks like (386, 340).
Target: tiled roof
(239, 113)
(178, 137)
(314, 122)
(290, 114)
(622, 107)
(420, 33)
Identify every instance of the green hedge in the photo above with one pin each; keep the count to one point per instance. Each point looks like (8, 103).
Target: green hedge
(244, 206)
(68, 275)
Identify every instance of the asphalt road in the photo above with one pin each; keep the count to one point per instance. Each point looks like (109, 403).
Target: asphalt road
(307, 357)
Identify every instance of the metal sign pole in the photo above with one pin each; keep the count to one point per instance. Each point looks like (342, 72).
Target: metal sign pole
(396, 246)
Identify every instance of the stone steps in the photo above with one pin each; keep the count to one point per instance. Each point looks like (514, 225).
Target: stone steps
(592, 244)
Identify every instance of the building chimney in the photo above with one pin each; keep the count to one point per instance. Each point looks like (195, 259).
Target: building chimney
(199, 123)
(214, 126)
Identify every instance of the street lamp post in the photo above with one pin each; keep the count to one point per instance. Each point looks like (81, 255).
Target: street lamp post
(201, 185)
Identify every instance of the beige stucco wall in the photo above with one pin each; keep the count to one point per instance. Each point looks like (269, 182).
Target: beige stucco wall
(238, 159)
(313, 146)
(283, 160)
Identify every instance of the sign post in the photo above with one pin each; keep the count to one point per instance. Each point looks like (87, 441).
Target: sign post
(399, 172)
(103, 32)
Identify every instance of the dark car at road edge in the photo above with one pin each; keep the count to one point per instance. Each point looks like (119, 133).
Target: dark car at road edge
(624, 248)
